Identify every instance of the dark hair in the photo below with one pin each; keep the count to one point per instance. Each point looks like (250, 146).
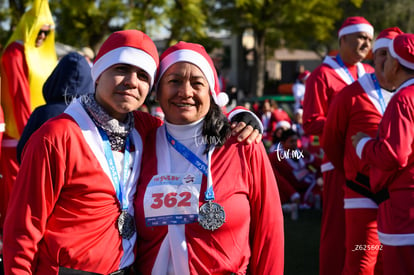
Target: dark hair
(406, 69)
(287, 134)
(216, 127)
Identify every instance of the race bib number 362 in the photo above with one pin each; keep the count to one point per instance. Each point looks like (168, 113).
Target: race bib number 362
(172, 199)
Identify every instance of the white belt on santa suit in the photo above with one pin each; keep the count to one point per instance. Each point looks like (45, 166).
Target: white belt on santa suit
(9, 142)
(406, 239)
(328, 166)
(358, 203)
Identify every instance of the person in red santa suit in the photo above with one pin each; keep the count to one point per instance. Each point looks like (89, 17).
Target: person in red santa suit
(71, 208)
(391, 157)
(287, 193)
(336, 72)
(359, 107)
(298, 167)
(27, 60)
(71, 205)
(205, 204)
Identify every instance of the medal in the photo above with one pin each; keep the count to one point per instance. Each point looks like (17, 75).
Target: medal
(126, 225)
(211, 216)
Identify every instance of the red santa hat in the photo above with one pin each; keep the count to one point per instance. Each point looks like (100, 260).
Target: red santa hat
(355, 24)
(402, 49)
(283, 124)
(385, 37)
(197, 55)
(131, 47)
(303, 76)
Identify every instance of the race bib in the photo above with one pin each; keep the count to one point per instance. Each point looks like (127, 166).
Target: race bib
(172, 199)
(300, 173)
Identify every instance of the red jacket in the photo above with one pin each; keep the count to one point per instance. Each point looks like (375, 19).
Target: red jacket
(392, 159)
(245, 186)
(355, 109)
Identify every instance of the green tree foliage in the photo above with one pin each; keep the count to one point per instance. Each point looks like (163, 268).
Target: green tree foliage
(87, 22)
(279, 22)
(383, 13)
(10, 13)
(307, 24)
(310, 24)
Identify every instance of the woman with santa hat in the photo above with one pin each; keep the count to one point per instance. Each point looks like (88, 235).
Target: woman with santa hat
(71, 209)
(205, 203)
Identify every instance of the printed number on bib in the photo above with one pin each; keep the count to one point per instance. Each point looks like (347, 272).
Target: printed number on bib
(172, 199)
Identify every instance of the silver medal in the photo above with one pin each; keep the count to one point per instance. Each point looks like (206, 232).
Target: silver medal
(211, 216)
(126, 225)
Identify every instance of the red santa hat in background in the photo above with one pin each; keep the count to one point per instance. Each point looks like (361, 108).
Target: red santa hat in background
(283, 124)
(131, 47)
(158, 112)
(385, 37)
(402, 49)
(197, 55)
(355, 24)
(303, 76)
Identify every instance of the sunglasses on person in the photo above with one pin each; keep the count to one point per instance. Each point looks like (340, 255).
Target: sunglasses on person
(45, 32)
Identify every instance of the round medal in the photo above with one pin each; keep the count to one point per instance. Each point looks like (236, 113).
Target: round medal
(211, 216)
(126, 225)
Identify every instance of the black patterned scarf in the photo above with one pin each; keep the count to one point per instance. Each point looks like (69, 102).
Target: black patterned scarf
(117, 131)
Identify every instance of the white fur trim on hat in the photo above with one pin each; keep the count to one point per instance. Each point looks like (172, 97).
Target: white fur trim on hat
(356, 28)
(381, 43)
(405, 63)
(192, 57)
(125, 55)
(284, 124)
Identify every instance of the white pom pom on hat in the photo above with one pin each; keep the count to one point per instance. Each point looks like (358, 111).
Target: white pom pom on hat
(195, 54)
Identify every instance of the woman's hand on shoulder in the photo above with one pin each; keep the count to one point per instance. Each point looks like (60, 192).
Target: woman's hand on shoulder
(245, 133)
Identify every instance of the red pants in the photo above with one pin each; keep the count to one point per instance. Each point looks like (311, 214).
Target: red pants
(332, 242)
(8, 168)
(398, 260)
(363, 248)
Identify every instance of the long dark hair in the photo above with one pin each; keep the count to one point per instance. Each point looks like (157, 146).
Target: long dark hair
(216, 128)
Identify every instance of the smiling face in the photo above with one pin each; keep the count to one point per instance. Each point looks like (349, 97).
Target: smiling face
(184, 94)
(42, 35)
(122, 89)
(354, 47)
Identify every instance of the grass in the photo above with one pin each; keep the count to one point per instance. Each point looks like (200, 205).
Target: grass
(302, 243)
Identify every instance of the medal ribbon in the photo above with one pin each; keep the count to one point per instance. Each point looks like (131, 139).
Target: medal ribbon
(114, 174)
(379, 92)
(341, 63)
(193, 159)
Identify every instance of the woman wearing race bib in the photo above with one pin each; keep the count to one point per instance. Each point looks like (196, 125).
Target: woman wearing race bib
(206, 204)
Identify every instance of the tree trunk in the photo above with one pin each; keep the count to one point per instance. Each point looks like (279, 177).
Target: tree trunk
(260, 64)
